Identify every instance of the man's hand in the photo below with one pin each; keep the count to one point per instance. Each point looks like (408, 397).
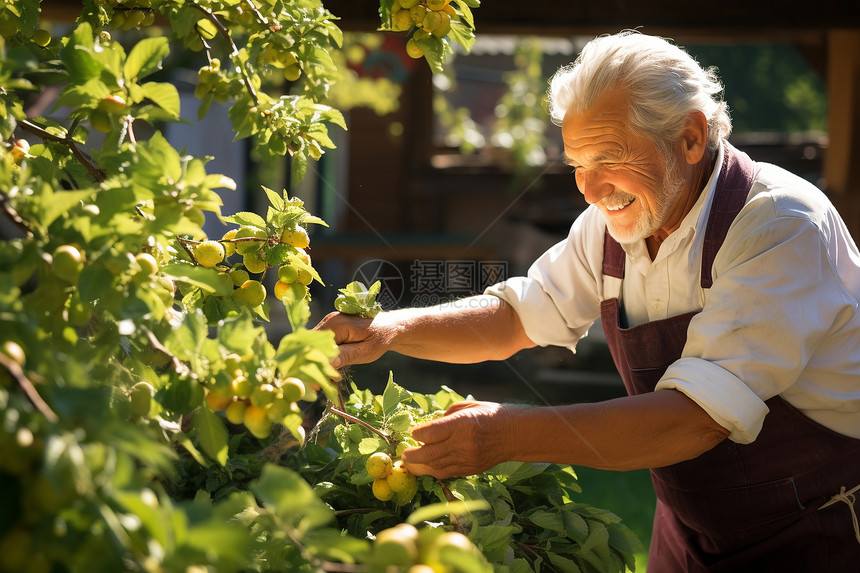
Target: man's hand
(470, 438)
(359, 340)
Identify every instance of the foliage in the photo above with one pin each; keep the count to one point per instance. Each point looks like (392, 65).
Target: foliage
(146, 421)
(359, 300)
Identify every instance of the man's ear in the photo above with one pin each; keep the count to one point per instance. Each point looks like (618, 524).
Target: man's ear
(694, 138)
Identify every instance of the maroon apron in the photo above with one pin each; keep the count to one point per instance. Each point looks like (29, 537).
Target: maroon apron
(738, 507)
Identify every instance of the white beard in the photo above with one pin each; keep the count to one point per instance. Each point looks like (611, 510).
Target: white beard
(649, 221)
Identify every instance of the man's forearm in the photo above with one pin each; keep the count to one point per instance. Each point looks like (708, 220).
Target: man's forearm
(645, 431)
(468, 330)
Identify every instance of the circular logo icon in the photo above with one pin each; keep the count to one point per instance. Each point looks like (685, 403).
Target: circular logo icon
(389, 277)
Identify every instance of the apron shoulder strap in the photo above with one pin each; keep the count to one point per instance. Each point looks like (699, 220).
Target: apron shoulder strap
(733, 187)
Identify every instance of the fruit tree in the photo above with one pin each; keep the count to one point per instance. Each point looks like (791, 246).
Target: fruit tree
(147, 422)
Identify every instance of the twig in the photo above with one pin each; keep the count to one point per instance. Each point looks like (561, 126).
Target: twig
(39, 131)
(356, 511)
(178, 366)
(13, 216)
(455, 521)
(278, 447)
(355, 420)
(234, 53)
(29, 389)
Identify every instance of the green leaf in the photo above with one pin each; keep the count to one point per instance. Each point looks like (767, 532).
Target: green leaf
(164, 95)
(291, 498)
(370, 445)
(436, 510)
(275, 199)
(205, 278)
(335, 545)
(145, 58)
(247, 219)
(212, 433)
(563, 563)
(546, 519)
(78, 55)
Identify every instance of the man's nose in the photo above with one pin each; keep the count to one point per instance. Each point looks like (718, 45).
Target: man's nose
(592, 185)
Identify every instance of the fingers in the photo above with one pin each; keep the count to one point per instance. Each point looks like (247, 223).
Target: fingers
(433, 461)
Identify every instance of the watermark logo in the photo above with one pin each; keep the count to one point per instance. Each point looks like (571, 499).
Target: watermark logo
(430, 281)
(392, 285)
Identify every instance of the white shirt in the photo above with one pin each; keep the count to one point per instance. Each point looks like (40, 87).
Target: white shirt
(781, 318)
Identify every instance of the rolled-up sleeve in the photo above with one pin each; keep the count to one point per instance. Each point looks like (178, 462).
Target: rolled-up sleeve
(559, 299)
(775, 297)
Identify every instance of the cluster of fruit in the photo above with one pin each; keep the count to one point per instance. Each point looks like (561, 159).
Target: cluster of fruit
(67, 262)
(426, 550)
(209, 80)
(391, 479)
(427, 17)
(257, 401)
(283, 59)
(250, 243)
(130, 14)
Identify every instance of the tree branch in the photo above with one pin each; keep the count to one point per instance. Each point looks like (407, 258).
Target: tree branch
(13, 216)
(41, 132)
(29, 389)
(353, 419)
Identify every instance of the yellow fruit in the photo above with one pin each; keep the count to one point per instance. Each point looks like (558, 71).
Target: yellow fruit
(229, 248)
(257, 421)
(148, 264)
(450, 547)
(437, 4)
(209, 253)
(405, 496)
(242, 387)
(396, 546)
(42, 37)
(112, 104)
(297, 237)
(378, 465)
(437, 23)
(400, 479)
(282, 290)
(235, 412)
(421, 568)
(413, 49)
(67, 263)
(245, 247)
(239, 276)
(140, 396)
(409, 3)
(381, 491)
(418, 13)
(304, 277)
(14, 351)
(217, 402)
(288, 274)
(252, 293)
(292, 72)
(254, 263)
(293, 390)
(401, 21)
(263, 395)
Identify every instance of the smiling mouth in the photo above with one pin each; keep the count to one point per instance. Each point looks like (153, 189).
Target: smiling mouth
(619, 204)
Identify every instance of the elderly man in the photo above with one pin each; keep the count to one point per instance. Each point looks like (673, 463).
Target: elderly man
(728, 291)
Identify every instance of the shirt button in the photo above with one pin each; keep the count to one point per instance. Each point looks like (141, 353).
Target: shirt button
(657, 307)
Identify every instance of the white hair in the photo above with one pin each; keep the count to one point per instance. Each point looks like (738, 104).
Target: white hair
(663, 82)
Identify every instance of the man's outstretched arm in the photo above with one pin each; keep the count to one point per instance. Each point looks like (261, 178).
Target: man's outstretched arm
(468, 330)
